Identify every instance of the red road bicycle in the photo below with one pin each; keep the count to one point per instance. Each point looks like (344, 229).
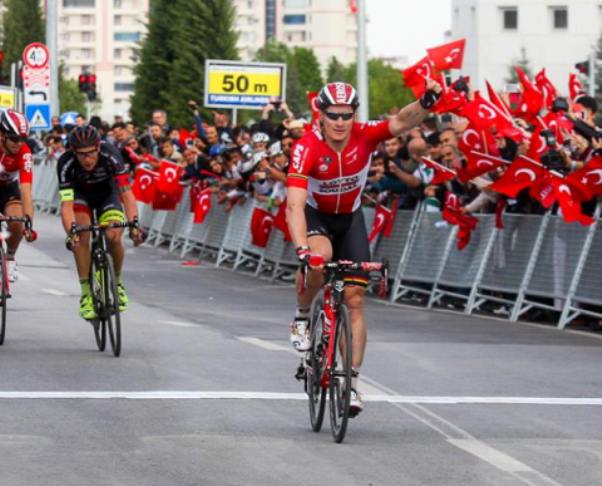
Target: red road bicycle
(4, 285)
(328, 361)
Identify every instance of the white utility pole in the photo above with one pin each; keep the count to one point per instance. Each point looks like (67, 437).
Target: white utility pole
(592, 75)
(52, 43)
(362, 62)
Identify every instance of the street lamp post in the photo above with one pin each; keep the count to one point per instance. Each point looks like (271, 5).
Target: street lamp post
(362, 62)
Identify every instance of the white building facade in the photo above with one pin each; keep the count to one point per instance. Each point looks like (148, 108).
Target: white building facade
(326, 26)
(100, 36)
(554, 34)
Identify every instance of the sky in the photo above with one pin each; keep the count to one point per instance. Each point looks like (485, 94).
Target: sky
(406, 27)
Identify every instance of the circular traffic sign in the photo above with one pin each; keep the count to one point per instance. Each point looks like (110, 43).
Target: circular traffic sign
(36, 55)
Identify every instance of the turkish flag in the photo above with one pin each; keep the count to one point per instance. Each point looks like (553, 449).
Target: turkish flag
(448, 56)
(532, 98)
(479, 140)
(498, 102)
(537, 145)
(144, 185)
(521, 174)
(483, 115)
(169, 177)
(442, 173)
(546, 88)
(477, 164)
(202, 206)
(261, 227)
(184, 136)
(381, 220)
(451, 101)
(315, 112)
(465, 222)
(280, 221)
(575, 86)
(415, 76)
(589, 176)
(571, 208)
(165, 202)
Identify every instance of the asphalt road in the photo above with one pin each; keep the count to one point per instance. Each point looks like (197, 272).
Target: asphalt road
(204, 392)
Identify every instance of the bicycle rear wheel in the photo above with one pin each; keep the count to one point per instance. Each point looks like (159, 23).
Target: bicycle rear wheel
(315, 367)
(111, 297)
(340, 376)
(3, 293)
(100, 327)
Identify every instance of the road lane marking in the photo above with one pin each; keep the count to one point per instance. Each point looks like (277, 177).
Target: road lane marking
(179, 323)
(263, 344)
(254, 395)
(56, 292)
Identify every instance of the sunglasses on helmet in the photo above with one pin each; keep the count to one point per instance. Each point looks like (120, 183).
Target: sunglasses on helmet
(335, 116)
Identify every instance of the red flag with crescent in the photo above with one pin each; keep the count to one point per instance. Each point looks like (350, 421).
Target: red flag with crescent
(144, 185)
(448, 56)
(381, 220)
(280, 221)
(202, 206)
(262, 222)
(521, 174)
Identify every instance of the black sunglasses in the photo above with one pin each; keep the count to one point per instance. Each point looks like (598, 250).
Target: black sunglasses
(15, 138)
(335, 116)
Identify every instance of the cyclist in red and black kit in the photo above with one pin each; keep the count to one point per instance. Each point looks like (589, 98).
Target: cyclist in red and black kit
(93, 177)
(327, 175)
(16, 164)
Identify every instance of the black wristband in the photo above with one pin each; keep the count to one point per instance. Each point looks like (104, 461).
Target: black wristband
(429, 98)
(301, 248)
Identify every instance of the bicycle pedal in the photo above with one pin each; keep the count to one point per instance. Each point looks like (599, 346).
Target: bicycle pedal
(300, 373)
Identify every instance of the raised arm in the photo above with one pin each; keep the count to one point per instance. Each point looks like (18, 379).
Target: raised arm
(412, 114)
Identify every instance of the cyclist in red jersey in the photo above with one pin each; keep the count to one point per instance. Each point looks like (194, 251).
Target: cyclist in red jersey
(16, 165)
(327, 175)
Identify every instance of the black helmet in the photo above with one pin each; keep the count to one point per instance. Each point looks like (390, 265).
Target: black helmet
(337, 94)
(85, 136)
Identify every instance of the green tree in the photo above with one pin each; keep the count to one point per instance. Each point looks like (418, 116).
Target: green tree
(154, 57)
(302, 71)
(523, 63)
(336, 70)
(22, 24)
(205, 30)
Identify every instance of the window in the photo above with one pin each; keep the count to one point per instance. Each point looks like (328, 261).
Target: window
(86, 53)
(294, 19)
(117, 53)
(294, 3)
(117, 3)
(510, 18)
(122, 70)
(123, 86)
(86, 36)
(117, 19)
(560, 18)
(79, 3)
(126, 36)
(86, 19)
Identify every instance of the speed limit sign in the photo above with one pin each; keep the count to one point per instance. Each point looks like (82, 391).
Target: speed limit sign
(36, 55)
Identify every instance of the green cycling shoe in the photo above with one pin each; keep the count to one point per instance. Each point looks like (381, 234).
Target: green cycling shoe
(86, 307)
(123, 298)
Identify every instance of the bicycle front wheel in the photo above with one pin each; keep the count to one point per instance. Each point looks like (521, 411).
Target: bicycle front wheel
(112, 306)
(100, 327)
(340, 376)
(315, 367)
(3, 294)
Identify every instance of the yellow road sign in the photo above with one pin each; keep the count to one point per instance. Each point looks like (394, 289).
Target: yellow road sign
(231, 84)
(8, 98)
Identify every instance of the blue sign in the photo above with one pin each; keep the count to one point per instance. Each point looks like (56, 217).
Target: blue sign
(68, 118)
(38, 116)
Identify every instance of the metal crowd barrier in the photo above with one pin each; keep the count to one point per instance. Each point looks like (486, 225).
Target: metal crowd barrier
(533, 262)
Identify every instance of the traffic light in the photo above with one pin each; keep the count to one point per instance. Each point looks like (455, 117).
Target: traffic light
(91, 87)
(83, 83)
(583, 67)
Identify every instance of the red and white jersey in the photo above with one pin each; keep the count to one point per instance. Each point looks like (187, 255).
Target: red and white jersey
(16, 167)
(335, 181)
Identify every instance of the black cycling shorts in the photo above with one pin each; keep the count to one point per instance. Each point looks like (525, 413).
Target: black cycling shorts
(348, 236)
(107, 206)
(10, 192)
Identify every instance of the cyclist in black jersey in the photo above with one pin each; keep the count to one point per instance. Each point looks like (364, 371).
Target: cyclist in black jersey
(93, 177)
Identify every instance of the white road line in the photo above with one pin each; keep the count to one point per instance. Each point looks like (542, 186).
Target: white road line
(179, 323)
(56, 292)
(490, 455)
(369, 397)
(261, 343)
